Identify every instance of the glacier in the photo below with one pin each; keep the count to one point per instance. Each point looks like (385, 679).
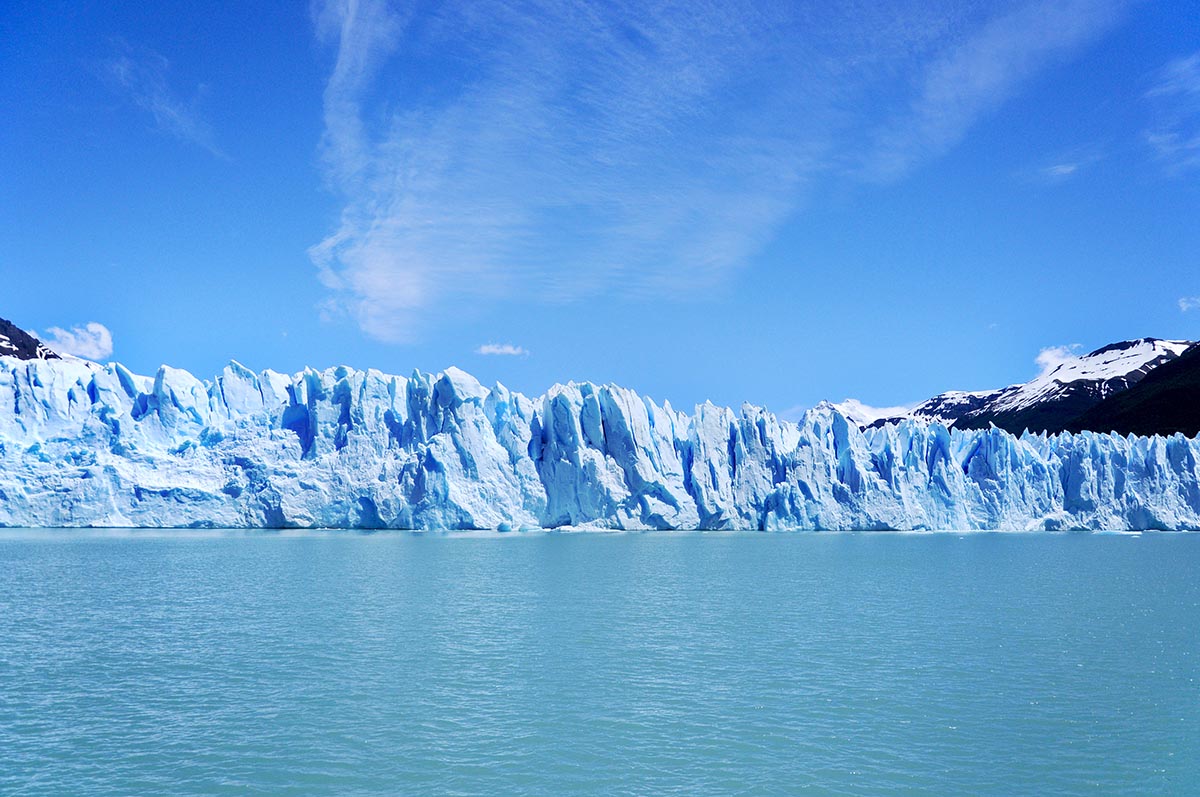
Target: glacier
(85, 444)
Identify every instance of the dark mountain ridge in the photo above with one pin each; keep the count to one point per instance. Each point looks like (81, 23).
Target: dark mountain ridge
(1050, 402)
(1165, 401)
(16, 342)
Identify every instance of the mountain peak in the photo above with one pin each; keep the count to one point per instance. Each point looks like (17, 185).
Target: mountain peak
(1158, 343)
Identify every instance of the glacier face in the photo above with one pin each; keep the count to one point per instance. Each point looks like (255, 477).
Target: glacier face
(83, 444)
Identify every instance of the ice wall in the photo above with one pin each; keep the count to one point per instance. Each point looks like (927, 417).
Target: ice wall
(89, 445)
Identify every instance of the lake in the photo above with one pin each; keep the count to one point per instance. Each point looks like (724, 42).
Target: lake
(617, 664)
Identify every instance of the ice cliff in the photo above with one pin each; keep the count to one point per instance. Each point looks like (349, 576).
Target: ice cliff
(83, 444)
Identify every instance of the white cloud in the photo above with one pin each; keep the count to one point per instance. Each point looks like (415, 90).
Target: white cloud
(1061, 170)
(91, 341)
(1065, 165)
(978, 74)
(1180, 76)
(1187, 303)
(1175, 99)
(1069, 164)
(141, 75)
(1051, 357)
(553, 151)
(578, 157)
(506, 349)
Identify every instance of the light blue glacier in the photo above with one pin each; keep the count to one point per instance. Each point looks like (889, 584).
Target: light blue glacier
(83, 444)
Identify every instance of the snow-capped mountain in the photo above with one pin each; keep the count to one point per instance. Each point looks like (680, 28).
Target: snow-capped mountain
(16, 342)
(1053, 400)
(1166, 401)
(83, 444)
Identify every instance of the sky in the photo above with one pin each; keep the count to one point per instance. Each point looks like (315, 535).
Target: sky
(732, 201)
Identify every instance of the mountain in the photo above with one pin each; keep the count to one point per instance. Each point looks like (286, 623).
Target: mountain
(83, 444)
(1165, 401)
(16, 342)
(862, 414)
(1053, 401)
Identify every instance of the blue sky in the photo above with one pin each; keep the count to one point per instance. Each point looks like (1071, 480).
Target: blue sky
(768, 202)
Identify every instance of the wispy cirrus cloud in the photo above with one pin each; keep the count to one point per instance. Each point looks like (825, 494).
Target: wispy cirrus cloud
(503, 350)
(1060, 170)
(556, 150)
(1175, 97)
(976, 75)
(1189, 303)
(140, 75)
(1065, 165)
(576, 153)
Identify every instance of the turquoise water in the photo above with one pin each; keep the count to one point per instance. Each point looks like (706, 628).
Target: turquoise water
(250, 663)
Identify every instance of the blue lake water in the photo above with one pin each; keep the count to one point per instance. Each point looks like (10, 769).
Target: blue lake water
(558, 664)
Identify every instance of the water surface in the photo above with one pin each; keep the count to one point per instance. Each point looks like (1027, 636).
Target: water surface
(339, 663)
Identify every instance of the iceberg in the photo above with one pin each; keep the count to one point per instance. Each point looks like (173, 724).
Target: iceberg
(84, 444)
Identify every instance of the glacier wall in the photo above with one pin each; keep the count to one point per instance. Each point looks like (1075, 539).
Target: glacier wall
(83, 444)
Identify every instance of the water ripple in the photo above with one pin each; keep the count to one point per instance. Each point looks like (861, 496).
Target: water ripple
(623, 664)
